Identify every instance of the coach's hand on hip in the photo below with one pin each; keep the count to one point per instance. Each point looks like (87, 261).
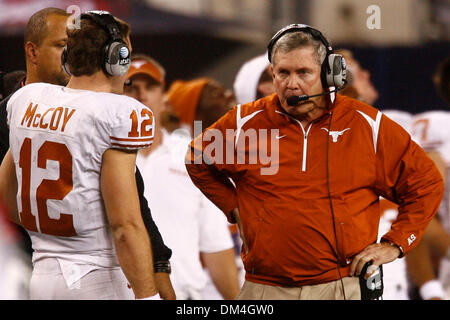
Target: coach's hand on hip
(378, 253)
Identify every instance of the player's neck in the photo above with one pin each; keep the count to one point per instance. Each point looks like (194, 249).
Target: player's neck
(32, 75)
(96, 82)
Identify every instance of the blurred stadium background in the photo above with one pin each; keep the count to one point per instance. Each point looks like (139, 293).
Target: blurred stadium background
(215, 37)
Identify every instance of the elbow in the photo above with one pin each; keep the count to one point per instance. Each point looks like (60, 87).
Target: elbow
(124, 231)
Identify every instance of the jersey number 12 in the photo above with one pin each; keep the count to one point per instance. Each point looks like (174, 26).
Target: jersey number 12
(47, 189)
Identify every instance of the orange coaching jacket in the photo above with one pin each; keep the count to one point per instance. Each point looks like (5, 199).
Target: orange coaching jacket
(287, 216)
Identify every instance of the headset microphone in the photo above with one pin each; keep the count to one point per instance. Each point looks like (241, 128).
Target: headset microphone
(294, 100)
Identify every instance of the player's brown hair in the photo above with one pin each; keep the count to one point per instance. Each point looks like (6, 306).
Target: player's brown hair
(85, 46)
(36, 28)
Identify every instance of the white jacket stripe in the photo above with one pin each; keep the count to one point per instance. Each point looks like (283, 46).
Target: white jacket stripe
(375, 125)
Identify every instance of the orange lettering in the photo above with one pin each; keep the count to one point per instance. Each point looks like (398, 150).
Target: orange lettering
(66, 117)
(147, 122)
(45, 125)
(35, 125)
(53, 125)
(134, 125)
(26, 217)
(29, 114)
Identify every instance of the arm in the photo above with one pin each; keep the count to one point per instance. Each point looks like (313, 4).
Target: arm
(213, 184)
(210, 176)
(160, 251)
(118, 187)
(8, 186)
(408, 177)
(222, 268)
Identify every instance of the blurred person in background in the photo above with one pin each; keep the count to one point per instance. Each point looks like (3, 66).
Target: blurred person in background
(253, 80)
(190, 223)
(359, 85)
(431, 259)
(9, 82)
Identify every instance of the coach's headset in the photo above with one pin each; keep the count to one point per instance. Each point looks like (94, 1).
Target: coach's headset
(333, 69)
(116, 52)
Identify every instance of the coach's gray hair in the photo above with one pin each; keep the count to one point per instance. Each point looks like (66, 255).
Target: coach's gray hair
(293, 40)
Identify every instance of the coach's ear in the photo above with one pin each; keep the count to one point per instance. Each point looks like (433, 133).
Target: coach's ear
(31, 52)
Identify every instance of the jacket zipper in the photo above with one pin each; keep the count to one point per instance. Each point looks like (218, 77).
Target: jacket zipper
(305, 144)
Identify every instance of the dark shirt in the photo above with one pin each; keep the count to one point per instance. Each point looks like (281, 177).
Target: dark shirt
(4, 130)
(160, 251)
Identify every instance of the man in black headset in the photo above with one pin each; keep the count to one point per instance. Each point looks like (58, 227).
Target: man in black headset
(309, 227)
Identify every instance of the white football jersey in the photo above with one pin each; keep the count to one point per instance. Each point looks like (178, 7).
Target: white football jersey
(394, 273)
(432, 130)
(57, 139)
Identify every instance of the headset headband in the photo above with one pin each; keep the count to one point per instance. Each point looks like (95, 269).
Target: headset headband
(105, 20)
(316, 34)
(116, 60)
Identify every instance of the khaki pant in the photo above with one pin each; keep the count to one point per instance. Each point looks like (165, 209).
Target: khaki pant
(324, 291)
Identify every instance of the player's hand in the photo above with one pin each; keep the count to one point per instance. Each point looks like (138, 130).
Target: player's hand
(378, 253)
(164, 286)
(237, 217)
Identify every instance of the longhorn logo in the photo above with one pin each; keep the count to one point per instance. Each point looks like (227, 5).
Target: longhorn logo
(335, 134)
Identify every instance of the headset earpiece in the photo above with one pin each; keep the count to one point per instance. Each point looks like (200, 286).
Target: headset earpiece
(333, 69)
(64, 64)
(336, 73)
(117, 58)
(116, 52)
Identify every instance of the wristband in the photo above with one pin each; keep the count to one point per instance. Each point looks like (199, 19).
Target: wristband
(155, 297)
(162, 266)
(432, 289)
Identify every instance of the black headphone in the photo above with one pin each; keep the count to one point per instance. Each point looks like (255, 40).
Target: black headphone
(333, 70)
(117, 54)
